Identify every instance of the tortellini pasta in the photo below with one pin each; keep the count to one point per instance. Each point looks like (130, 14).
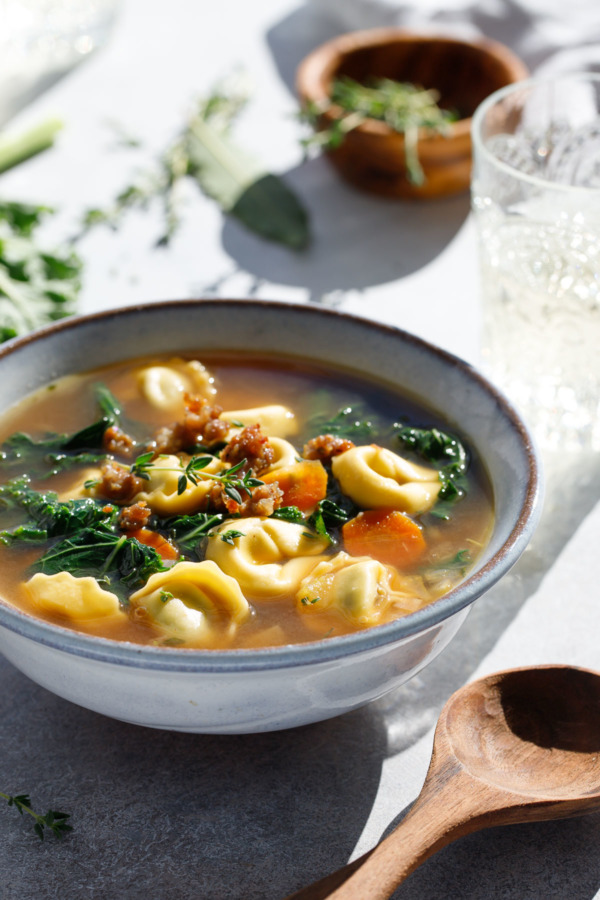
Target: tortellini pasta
(377, 478)
(161, 492)
(270, 556)
(164, 384)
(361, 590)
(192, 601)
(274, 420)
(285, 454)
(78, 599)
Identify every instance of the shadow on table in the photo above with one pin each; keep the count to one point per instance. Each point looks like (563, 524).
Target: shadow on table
(359, 240)
(572, 491)
(159, 814)
(515, 861)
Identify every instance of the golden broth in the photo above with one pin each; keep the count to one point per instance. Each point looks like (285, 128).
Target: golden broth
(241, 382)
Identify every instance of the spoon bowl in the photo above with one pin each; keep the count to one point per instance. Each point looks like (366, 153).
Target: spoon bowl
(535, 731)
(518, 746)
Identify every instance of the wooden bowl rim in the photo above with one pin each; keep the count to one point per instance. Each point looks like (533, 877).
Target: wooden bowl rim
(314, 73)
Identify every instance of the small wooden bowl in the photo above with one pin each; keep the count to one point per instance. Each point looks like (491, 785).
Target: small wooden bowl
(372, 155)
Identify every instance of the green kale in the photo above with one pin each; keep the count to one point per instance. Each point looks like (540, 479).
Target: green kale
(189, 531)
(349, 422)
(448, 455)
(50, 517)
(121, 562)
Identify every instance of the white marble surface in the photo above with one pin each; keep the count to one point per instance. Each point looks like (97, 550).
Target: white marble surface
(255, 817)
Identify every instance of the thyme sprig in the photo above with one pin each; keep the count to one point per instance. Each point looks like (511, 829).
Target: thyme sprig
(54, 820)
(234, 482)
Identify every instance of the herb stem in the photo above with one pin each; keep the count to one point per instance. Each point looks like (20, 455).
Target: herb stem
(14, 151)
(54, 820)
(220, 151)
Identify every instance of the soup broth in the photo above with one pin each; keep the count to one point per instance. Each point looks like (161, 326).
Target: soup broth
(232, 502)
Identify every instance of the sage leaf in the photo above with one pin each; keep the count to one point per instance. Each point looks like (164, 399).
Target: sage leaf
(260, 200)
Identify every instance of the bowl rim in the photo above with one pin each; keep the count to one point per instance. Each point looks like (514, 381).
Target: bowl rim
(313, 72)
(310, 653)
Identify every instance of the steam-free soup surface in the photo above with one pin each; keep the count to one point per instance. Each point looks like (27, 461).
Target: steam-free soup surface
(232, 502)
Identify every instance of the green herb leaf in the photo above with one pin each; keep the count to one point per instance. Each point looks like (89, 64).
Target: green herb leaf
(228, 537)
(54, 820)
(349, 422)
(49, 516)
(189, 531)
(123, 562)
(447, 453)
(288, 514)
(36, 287)
(403, 106)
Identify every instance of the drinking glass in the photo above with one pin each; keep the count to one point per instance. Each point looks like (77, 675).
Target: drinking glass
(536, 202)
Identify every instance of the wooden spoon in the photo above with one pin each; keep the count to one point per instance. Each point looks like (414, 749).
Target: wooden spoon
(518, 746)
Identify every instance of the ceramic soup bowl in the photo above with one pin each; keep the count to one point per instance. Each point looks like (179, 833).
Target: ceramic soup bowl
(253, 690)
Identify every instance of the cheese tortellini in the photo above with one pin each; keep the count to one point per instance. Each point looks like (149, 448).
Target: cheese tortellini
(377, 478)
(270, 556)
(285, 454)
(161, 492)
(361, 590)
(274, 420)
(78, 599)
(163, 385)
(192, 601)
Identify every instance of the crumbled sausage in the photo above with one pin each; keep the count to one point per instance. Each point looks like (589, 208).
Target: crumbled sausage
(118, 483)
(326, 446)
(132, 518)
(201, 424)
(117, 442)
(264, 499)
(252, 445)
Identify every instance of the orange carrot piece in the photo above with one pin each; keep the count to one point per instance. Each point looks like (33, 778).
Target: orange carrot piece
(386, 535)
(303, 484)
(163, 547)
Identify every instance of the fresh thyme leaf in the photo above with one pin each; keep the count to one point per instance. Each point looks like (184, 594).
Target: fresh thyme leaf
(36, 286)
(203, 151)
(142, 463)
(228, 537)
(54, 820)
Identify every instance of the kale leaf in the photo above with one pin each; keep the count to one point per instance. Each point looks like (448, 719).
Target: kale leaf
(121, 562)
(49, 516)
(448, 455)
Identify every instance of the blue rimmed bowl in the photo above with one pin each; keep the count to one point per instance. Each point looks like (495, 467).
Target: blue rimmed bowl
(238, 691)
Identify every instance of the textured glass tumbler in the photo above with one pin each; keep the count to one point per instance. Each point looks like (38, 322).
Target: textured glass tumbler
(536, 201)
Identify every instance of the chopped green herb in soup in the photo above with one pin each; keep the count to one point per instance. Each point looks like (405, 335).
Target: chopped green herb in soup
(231, 503)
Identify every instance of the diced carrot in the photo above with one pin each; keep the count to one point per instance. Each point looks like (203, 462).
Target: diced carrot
(384, 534)
(163, 547)
(303, 484)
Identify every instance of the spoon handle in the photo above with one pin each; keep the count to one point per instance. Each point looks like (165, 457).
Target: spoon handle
(445, 810)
